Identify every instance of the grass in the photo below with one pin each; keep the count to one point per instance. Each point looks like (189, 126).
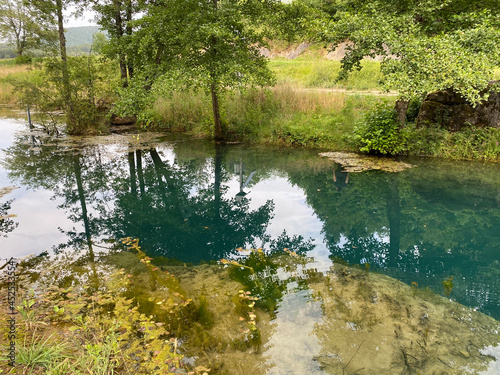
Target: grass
(322, 73)
(89, 329)
(40, 352)
(279, 115)
(7, 62)
(8, 71)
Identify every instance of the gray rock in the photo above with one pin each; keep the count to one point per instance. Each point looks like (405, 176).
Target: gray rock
(296, 53)
(451, 111)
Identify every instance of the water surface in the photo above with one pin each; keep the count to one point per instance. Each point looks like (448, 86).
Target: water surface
(193, 201)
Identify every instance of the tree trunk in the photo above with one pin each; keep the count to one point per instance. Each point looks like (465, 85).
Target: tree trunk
(19, 48)
(64, 65)
(128, 29)
(218, 134)
(401, 108)
(119, 33)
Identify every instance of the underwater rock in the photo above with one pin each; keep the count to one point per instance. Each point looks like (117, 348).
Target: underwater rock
(391, 336)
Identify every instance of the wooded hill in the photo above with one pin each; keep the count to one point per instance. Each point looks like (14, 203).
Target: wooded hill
(78, 40)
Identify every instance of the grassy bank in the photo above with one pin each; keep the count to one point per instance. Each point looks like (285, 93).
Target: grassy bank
(308, 107)
(8, 71)
(279, 115)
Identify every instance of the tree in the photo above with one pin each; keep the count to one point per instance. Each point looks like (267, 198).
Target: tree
(115, 17)
(22, 26)
(70, 84)
(208, 44)
(426, 46)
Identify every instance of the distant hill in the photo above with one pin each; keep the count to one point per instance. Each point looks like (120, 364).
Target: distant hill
(78, 36)
(78, 41)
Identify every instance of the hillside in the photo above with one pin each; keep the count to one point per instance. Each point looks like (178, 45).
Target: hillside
(78, 40)
(80, 36)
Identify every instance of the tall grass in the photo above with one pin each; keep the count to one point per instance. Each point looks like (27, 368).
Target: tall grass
(8, 71)
(283, 115)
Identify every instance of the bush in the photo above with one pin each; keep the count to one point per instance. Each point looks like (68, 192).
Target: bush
(379, 133)
(22, 60)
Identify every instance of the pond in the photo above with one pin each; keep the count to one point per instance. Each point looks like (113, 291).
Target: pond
(432, 228)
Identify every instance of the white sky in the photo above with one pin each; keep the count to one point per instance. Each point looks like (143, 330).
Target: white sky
(85, 20)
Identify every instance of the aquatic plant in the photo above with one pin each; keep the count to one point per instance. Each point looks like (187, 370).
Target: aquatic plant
(447, 285)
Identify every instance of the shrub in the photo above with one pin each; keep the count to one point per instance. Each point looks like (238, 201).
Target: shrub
(22, 60)
(378, 132)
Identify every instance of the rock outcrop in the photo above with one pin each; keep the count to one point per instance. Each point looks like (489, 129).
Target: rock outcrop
(450, 110)
(116, 120)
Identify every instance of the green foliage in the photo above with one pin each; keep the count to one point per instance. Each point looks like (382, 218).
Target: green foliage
(429, 140)
(473, 143)
(428, 46)
(23, 27)
(40, 352)
(413, 109)
(23, 59)
(201, 45)
(379, 132)
(89, 85)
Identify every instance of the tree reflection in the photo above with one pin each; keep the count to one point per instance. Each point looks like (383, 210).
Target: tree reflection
(177, 210)
(179, 215)
(7, 225)
(422, 225)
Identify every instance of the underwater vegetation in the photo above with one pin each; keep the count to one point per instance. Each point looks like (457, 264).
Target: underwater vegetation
(124, 312)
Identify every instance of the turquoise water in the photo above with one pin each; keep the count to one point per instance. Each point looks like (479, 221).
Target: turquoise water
(193, 201)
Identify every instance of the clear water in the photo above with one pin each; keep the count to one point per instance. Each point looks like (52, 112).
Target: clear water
(187, 200)
(193, 201)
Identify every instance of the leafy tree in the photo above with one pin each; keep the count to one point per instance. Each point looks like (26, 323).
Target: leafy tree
(210, 44)
(115, 17)
(426, 45)
(70, 84)
(21, 25)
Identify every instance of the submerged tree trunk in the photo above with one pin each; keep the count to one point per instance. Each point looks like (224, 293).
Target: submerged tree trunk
(128, 29)
(401, 108)
(218, 133)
